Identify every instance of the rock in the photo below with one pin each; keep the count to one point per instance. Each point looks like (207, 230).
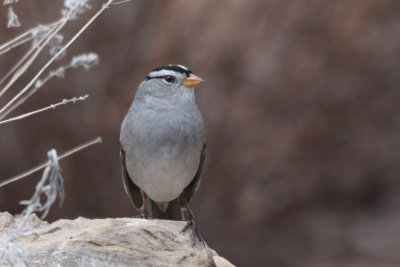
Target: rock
(222, 262)
(6, 219)
(109, 242)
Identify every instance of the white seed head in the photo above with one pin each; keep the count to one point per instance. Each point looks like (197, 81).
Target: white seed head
(85, 60)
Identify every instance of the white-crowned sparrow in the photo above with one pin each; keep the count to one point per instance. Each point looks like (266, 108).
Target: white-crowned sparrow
(163, 144)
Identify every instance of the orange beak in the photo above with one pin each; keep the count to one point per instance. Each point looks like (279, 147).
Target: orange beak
(192, 80)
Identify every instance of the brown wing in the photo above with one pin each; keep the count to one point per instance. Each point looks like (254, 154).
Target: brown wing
(194, 185)
(131, 188)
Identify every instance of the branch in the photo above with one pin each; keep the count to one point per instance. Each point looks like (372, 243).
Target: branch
(52, 106)
(41, 166)
(103, 7)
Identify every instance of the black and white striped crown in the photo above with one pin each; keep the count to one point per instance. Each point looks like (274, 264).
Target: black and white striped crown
(168, 70)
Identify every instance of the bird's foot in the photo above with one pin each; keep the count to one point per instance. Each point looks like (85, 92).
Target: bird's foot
(191, 223)
(143, 214)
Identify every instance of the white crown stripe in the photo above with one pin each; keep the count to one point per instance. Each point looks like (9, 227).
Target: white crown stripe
(183, 67)
(162, 73)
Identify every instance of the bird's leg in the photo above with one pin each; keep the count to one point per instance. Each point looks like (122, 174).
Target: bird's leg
(190, 221)
(144, 213)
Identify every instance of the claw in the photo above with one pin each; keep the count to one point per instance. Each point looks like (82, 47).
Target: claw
(143, 212)
(191, 223)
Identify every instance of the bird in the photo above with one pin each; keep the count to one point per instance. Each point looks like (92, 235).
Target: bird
(162, 145)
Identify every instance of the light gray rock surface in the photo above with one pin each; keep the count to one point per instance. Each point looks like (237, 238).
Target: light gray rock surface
(110, 242)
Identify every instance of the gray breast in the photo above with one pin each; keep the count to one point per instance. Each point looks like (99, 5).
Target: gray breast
(163, 149)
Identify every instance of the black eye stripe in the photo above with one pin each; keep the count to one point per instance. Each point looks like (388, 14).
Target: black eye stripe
(154, 77)
(157, 77)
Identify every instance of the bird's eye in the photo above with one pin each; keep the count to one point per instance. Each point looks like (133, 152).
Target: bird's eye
(169, 79)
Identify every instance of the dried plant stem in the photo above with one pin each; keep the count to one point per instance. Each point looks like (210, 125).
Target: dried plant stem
(52, 106)
(30, 58)
(41, 166)
(11, 44)
(15, 44)
(22, 38)
(121, 2)
(84, 60)
(29, 62)
(3, 111)
(28, 53)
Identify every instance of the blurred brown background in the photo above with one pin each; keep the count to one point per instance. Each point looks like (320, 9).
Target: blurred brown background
(301, 104)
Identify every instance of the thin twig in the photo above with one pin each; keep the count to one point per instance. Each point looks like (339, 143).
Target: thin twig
(86, 61)
(7, 46)
(52, 106)
(121, 2)
(38, 47)
(41, 166)
(54, 28)
(29, 52)
(20, 42)
(103, 7)
(15, 40)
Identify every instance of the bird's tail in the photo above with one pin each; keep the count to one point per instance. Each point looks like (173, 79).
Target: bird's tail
(172, 212)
